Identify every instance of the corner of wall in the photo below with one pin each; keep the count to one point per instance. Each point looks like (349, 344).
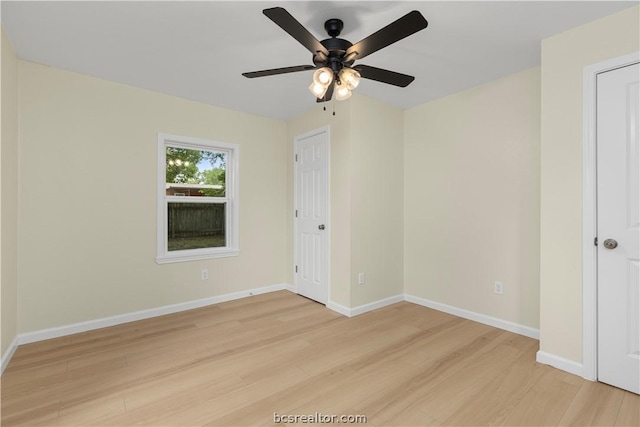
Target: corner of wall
(9, 206)
(377, 200)
(472, 199)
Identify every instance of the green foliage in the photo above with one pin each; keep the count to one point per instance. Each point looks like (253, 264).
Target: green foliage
(182, 167)
(214, 177)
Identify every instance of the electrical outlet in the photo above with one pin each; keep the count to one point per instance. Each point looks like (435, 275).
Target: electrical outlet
(497, 288)
(205, 274)
(360, 278)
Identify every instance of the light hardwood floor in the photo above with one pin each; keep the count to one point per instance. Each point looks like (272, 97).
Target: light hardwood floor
(239, 362)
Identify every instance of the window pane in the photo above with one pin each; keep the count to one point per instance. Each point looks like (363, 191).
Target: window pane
(195, 173)
(196, 225)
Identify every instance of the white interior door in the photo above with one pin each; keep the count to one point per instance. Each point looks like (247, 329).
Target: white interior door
(618, 206)
(311, 225)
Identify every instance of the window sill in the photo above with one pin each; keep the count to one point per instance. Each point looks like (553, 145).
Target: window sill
(168, 259)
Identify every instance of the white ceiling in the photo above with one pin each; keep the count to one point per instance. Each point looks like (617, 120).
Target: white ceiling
(198, 50)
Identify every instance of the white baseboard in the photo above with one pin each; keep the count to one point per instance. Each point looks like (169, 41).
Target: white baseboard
(75, 328)
(561, 363)
(345, 311)
(290, 288)
(6, 357)
(477, 317)
(361, 309)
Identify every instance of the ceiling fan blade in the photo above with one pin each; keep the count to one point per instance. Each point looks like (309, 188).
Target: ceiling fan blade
(409, 24)
(384, 76)
(284, 20)
(276, 71)
(327, 96)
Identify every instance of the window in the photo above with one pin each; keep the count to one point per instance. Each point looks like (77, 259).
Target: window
(197, 199)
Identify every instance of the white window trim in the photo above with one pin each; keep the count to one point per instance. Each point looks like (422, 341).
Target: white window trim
(165, 256)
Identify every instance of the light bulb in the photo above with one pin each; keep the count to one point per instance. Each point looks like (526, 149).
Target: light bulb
(342, 92)
(178, 162)
(318, 90)
(350, 77)
(171, 162)
(323, 76)
(186, 163)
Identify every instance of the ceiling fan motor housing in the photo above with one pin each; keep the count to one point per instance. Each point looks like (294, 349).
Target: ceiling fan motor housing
(335, 46)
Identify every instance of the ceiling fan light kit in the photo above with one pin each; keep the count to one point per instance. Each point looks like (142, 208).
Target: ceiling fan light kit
(323, 76)
(334, 58)
(350, 77)
(342, 91)
(318, 90)
(322, 79)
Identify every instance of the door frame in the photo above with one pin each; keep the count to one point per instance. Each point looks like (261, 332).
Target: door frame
(589, 211)
(296, 144)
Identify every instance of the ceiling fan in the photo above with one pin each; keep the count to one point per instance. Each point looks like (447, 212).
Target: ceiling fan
(333, 58)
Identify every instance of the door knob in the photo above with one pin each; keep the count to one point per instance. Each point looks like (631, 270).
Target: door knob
(321, 227)
(610, 244)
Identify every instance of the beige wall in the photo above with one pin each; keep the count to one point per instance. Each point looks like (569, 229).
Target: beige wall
(9, 191)
(87, 232)
(366, 197)
(563, 59)
(376, 165)
(472, 198)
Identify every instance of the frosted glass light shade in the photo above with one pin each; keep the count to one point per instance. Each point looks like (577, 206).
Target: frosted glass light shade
(323, 76)
(342, 92)
(350, 77)
(318, 90)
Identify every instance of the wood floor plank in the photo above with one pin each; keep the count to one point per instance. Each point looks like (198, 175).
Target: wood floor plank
(546, 402)
(149, 410)
(629, 414)
(493, 403)
(92, 412)
(462, 388)
(237, 363)
(204, 413)
(594, 404)
(30, 413)
(15, 377)
(409, 395)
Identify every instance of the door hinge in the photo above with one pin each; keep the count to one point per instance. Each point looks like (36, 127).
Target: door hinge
(296, 268)
(296, 157)
(595, 241)
(296, 213)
